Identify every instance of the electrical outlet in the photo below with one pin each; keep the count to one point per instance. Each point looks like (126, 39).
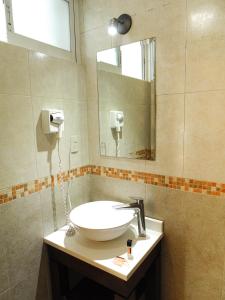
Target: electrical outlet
(74, 144)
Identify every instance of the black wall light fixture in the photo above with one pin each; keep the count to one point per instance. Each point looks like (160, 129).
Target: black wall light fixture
(120, 25)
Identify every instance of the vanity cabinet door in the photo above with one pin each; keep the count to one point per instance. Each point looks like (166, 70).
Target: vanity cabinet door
(149, 286)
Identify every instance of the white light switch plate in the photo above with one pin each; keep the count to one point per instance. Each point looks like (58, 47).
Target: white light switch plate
(74, 144)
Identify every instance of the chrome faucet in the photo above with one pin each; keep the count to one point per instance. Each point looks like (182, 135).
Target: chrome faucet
(138, 206)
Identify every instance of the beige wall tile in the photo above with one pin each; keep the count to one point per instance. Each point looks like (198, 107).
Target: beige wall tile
(24, 238)
(90, 47)
(144, 16)
(170, 65)
(81, 15)
(30, 288)
(46, 75)
(52, 205)
(92, 42)
(172, 16)
(205, 65)
(223, 284)
(23, 241)
(169, 136)
(71, 74)
(166, 205)
(206, 19)
(204, 218)
(82, 91)
(91, 80)
(193, 246)
(106, 188)
(80, 190)
(52, 209)
(47, 145)
(17, 152)
(55, 77)
(93, 131)
(4, 264)
(14, 70)
(4, 277)
(204, 136)
(95, 14)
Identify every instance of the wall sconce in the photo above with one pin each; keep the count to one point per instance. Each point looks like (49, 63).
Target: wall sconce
(120, 25)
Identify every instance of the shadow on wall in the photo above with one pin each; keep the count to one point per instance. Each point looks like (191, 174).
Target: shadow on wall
(47, 143)
(166, 205)
(43, 280)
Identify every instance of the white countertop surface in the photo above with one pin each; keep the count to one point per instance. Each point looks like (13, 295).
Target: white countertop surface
(102, 254)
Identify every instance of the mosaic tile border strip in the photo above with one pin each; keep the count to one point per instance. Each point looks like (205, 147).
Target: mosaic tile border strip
(34, 186)
(171, 182)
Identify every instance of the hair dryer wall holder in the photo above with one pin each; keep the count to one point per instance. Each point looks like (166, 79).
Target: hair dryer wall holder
(53, 121)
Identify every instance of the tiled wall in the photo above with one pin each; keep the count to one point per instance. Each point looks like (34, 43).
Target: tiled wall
(29, 82)
(190, 41)
(190, 137)
(190, 80)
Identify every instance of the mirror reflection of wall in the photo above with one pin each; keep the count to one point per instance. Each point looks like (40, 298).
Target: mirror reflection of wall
(126, 86)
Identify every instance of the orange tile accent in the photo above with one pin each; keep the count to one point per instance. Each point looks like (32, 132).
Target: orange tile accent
(184, 184)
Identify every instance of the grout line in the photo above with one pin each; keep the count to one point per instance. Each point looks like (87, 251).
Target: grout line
(73, 98)
(223, 278)
(191, 92)
(185, 83)
(33, 115)
(184, 131)
(44, 97)
(92, 29)
(169, 94)
(204, 91)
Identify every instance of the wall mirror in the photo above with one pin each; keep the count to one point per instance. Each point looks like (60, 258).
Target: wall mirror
(127, 102)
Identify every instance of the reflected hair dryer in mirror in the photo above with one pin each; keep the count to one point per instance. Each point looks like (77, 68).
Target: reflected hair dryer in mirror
(117, 123)
(116, 120)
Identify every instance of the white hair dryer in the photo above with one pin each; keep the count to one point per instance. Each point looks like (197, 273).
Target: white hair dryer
(57, 118)
(53, 121)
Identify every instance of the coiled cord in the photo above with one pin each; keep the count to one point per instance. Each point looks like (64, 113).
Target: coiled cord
(65, 198)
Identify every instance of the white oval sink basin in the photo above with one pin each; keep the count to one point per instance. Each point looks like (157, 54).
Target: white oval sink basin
(99, 221)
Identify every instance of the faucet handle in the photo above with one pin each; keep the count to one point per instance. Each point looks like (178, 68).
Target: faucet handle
(137, 199)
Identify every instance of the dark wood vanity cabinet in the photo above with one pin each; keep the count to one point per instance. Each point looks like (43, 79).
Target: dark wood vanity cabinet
(73, 279)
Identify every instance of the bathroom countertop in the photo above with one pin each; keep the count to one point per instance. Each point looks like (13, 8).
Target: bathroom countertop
(102, 254)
